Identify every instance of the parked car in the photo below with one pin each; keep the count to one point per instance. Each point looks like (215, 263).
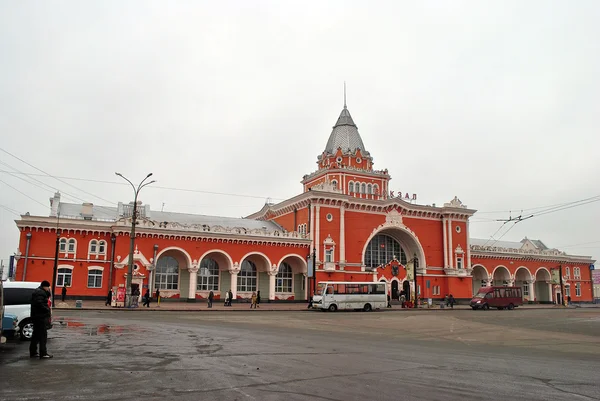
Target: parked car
(17, 301)
(10, 326)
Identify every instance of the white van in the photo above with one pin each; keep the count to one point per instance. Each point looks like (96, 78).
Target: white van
(17, 301)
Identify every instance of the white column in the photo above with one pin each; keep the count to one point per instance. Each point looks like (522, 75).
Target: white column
(551, 292)
(375, 275)
(532, 290)
(312, 226)
(468, 247)
(450, 247)
(272, 285)
(445, 230)
(233, 284)
(342, 235)
(317, 229)
(193, 280)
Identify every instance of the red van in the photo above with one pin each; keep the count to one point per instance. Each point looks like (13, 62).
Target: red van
(497, 297)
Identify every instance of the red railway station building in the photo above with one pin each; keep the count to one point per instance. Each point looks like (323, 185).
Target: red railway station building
(348, 213)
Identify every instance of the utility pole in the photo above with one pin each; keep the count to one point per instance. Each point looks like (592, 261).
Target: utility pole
(562, 293)
(415, 266)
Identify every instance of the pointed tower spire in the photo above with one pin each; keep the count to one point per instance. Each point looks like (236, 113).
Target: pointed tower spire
(345, 95)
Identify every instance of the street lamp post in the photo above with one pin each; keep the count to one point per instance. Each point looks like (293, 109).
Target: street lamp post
(55, 270)
(136, 191)
(415, 266)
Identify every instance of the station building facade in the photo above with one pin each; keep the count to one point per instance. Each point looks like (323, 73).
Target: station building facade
(347, 218)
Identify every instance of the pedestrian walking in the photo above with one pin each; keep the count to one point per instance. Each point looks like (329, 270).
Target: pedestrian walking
(40, 316)
(211, 296)
(108, 299)
(230, 297)
(147, 299)
(253, 301)
(258, 299)
(63, 293)
(451, 300)
(135, 301)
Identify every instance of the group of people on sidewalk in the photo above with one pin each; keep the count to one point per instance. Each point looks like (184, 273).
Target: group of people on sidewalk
(254, 301)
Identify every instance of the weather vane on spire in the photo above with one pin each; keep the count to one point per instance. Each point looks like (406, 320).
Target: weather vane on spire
(345, 94)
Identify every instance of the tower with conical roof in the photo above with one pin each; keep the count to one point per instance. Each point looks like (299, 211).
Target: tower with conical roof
(345, 166)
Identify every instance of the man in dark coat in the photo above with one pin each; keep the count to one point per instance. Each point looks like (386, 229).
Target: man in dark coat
(40, 315)
(64, 293)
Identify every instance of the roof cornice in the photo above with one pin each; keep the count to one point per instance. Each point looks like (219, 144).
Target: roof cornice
(350, 202)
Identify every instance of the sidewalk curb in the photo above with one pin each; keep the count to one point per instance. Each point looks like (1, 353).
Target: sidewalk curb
(290, 310)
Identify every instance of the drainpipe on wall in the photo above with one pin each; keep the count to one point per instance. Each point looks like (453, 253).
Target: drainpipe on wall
(28, 236)
(113, 241)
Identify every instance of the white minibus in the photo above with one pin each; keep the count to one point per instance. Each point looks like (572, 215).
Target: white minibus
(334, 295)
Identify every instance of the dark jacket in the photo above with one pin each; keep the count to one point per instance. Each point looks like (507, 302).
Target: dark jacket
(39, 304)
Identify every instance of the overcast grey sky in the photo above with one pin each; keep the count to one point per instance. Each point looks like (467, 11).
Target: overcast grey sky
(494, 102)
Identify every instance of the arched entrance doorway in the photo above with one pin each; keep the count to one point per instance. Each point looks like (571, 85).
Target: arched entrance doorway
(172, 276)
(395, 292)
(253, 276)
(291, 279)
(501, 276)
(543, 287)
(406, 289)
(480, 278)
(213, 273)
(522, 279)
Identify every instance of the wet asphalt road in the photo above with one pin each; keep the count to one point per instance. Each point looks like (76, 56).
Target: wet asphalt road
(444, 355)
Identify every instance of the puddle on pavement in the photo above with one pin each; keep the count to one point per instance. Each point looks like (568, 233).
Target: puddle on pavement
(94, 329)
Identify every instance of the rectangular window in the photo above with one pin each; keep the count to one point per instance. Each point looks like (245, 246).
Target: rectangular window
(577, 273)
(526, 290)
(568, 290)
(567, 273)
(328, 255)
(577, 289)
(459, 263)
(63, 278)
(95, 278)
(102, 247)
(63, 245)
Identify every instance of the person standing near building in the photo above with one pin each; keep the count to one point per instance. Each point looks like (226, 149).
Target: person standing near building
(230, 297)
(63, 293)
(253, 301)
(158, 297)
(258, 299)
(40, 315)
(108, 298)
(147, 299)
(211, 296)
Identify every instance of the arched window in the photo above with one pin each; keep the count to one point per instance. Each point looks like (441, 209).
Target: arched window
(363, 188)
(382, 249)
(369, 189)
(247, 277)
(72, 244)
(63, 245)
(351, 188)
(64, 277)
(95, 278)
(334, 184)
(167, 274)
(208, 275)
(102, 247)
(577, 273)
(376, 189)
(283, 280)
(567, 273)
(93, 246)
